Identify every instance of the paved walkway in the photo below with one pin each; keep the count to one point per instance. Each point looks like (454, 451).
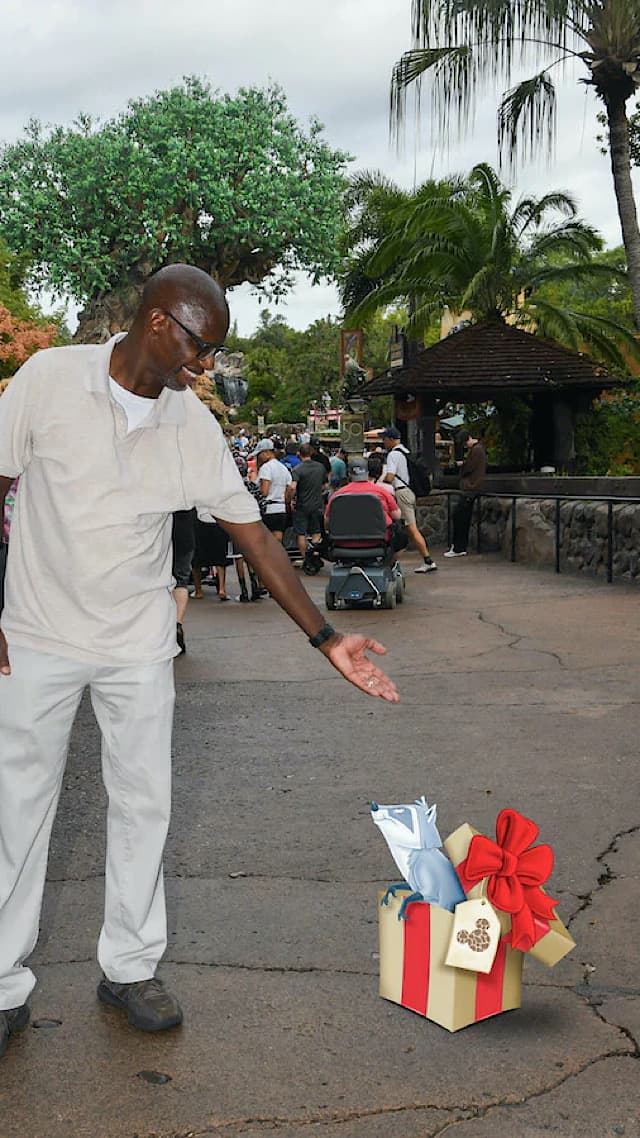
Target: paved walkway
(518, 688)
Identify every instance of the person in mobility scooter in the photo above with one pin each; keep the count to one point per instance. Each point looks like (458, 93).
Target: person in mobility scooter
(361, 520)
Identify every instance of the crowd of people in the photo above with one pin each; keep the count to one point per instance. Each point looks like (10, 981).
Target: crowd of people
(293, 481)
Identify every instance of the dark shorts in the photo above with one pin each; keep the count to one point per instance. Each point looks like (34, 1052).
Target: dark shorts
(184, 545)
(307, 522)
(276, 522)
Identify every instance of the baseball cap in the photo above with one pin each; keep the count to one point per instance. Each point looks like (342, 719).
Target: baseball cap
(264, 444)
(390, 433)
(358, 470)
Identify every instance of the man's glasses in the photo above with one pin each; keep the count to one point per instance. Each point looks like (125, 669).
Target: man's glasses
(204, 349)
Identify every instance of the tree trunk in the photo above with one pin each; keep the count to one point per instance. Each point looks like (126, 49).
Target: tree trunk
(621, 170)
(107, 313)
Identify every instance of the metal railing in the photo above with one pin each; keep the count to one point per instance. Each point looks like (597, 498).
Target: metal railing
(558, 499)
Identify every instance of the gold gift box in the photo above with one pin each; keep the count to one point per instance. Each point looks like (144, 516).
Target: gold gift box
(413, 972)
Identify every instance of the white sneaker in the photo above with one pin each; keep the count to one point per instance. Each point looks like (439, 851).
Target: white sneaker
(453, 553)
(427, 567)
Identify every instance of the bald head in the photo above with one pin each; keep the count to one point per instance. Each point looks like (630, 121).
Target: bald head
(186, 291)
(181, 322)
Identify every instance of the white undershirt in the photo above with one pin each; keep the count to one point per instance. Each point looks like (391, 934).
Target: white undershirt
(135, 407)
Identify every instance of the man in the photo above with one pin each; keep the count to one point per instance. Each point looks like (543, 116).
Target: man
(397, 474)
(338, 476)
(305, 494)
(318, 455)
(109, 441)
(291, 456)
(361, 483)
(473, 472)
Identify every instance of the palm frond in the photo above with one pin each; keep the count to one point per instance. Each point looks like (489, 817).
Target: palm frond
(573, 237)
(609, 341)
(527, 119)
(530, 211)
(454, 77)
(576, 272)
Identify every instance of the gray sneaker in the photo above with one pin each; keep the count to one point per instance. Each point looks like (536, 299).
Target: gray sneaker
(147, 1003)
(12, 1020)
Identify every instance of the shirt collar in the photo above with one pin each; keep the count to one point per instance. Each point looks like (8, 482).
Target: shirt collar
(169, 406)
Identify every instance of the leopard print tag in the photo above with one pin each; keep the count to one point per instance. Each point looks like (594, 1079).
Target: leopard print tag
(475, 936)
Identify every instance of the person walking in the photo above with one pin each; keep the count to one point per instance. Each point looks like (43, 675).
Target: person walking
(104, 465)
(397, 475)
(183, 546)
(305, 494)
(473, 473)
(273, 479)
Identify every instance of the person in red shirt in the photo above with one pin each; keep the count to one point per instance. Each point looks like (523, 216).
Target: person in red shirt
(361, 483)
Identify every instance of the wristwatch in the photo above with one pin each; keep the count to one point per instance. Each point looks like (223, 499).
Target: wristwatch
(321, 636)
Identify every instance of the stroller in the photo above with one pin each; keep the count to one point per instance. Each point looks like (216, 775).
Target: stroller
(365, 570)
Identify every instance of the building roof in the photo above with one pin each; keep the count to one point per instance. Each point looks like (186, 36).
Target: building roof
(483, 360)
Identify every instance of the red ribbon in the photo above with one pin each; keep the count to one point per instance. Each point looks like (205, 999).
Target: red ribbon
(516, 869)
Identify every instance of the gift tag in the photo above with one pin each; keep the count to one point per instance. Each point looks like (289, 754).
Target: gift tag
(475, 937)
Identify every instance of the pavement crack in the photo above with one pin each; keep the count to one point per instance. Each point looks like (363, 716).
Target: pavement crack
(463, 1113)
(283, 969)
(515, 641)
(607, 873)
(335, 1118)
(477, 1113)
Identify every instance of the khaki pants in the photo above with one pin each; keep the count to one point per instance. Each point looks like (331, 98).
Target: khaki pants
(134, 709)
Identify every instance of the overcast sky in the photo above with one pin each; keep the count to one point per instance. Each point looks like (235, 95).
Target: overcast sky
(333, 60)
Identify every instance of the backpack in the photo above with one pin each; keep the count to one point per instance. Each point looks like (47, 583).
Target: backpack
(419, 476)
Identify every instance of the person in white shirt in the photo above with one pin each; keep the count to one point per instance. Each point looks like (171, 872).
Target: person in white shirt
(397, 475)
(273, 479)
(94, 505)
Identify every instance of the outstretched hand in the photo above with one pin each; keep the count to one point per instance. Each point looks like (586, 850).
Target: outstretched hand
(347, 654)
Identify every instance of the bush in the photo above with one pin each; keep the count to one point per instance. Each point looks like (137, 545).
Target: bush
(608, 435)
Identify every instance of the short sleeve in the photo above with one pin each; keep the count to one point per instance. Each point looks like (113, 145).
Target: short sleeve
(16, 414)
(220, 490)
(392, 462)
(295, 473)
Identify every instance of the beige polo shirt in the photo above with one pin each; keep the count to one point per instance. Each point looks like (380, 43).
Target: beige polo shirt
(89, 567)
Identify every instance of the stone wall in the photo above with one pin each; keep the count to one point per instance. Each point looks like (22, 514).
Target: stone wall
(583, 532)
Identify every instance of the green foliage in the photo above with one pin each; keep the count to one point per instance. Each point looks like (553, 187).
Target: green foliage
(608, 434)
(13, 292)
(232, 184)
(464, 243)
(24, 327)
(289, 370)
(609, 298)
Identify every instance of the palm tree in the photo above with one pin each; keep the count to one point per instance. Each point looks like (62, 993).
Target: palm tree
(462, 243)
(465, 43)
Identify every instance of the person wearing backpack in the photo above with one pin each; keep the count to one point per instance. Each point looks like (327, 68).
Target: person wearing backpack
(397, 474)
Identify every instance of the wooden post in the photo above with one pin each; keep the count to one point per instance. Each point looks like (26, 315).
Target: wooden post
(564, 451)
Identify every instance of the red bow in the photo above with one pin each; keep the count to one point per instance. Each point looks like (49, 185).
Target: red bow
(516, 869)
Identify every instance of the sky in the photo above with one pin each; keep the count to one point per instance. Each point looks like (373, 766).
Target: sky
(334, 61)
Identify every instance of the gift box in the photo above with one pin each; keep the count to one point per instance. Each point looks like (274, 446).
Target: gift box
(413, 970)
(484, 866)
(506, 875)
